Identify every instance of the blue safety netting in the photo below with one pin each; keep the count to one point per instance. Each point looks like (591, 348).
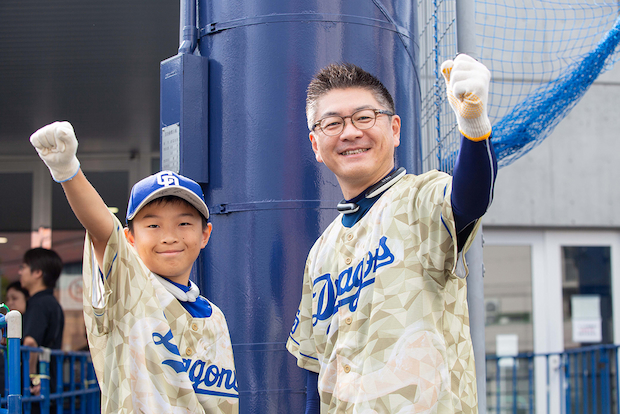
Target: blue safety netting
(543, 57)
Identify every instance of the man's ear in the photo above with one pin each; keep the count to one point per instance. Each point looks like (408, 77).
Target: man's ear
(37, 273)
(315, 147)
(396, 130)
(129, 236)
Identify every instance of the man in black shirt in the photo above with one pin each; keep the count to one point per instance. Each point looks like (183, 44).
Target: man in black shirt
(44, 319)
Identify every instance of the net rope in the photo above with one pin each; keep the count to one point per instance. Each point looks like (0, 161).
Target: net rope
(543, 57)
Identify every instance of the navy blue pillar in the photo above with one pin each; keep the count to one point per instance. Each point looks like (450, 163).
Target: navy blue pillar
(269, 198)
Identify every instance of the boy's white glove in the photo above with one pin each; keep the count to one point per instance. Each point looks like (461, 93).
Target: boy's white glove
(467, 85)
(57, 145)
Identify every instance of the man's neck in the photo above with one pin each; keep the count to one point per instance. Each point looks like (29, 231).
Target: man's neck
(375, 186)
(351, 189)
(34, 290)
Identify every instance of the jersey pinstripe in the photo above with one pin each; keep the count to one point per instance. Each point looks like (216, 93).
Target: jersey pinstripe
(150, 355)
(383, 316)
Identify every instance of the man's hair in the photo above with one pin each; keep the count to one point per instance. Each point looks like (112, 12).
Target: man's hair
(343, 76)
(170, 199)
(18, 286)
(47, 261)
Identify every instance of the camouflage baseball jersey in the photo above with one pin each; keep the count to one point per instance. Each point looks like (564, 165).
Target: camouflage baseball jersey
(383, 316)
(150, 355)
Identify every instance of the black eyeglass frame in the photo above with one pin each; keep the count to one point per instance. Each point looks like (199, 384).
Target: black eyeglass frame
(376, 111)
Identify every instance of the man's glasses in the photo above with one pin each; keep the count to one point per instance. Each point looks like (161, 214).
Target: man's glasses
(362, 119)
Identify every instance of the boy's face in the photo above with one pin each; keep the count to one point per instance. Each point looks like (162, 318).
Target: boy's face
(168, 238)
(358, 158)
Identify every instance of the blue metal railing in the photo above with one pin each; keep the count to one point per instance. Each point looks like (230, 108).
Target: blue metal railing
(67, 379)
(576, 381)
(11, 323)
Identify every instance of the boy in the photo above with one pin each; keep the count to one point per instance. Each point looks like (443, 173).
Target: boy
(157, 346)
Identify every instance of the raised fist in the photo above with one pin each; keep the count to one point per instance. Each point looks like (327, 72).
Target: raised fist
(57, 146)
(467, 86)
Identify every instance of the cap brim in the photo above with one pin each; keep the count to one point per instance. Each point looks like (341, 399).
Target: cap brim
(176, 191)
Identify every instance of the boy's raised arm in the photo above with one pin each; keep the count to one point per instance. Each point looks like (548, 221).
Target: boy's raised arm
(57, 146)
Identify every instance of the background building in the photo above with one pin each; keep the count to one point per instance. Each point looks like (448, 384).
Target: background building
(553, 231)
(96, 65)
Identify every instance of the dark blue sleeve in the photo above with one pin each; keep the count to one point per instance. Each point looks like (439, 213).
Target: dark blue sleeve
(473, 181)
(312, 393)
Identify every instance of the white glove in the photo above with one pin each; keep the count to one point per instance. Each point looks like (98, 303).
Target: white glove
(467, 86)
(57, 145)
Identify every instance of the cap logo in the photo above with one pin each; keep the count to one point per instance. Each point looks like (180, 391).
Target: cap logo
(166, 179)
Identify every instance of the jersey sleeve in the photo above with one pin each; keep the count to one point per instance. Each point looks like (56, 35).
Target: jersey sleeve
(473, 180)
(301, 338)
(114, 288)
(433, 207)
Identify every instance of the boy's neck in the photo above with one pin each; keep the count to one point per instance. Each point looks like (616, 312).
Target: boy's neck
(180, 280)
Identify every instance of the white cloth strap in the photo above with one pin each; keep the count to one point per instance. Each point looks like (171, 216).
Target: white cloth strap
(177, 292)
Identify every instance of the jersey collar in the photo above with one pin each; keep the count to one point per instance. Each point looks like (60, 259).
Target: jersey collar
(182, 293)
(359, 206)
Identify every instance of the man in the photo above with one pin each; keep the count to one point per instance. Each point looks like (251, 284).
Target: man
(383, 324)
(44, 319)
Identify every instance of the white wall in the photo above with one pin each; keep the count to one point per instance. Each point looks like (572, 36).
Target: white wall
(571, 179)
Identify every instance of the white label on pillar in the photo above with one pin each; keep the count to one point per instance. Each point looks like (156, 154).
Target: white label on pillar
(170, 142)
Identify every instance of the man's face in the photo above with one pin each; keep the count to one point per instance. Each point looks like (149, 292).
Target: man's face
(27, 277)
(358, 158)
(168, 238)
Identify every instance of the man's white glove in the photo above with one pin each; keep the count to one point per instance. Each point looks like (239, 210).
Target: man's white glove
(57, 145)
(467, 85)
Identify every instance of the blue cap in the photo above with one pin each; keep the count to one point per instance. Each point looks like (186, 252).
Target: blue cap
(165, 183)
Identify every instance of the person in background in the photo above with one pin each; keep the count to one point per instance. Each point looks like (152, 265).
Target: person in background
(44, 319)
(16, 297)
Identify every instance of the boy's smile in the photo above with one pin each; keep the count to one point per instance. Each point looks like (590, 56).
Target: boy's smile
(168, 238)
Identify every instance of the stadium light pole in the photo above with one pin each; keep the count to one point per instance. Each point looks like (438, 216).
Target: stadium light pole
(466, 43)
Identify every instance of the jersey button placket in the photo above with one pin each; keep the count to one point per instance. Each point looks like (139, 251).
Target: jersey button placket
(188, 352)
(348, 241)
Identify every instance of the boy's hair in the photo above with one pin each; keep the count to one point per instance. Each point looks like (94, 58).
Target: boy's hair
(18, 286)
(47, 261)
(343, 76)
(170, 199)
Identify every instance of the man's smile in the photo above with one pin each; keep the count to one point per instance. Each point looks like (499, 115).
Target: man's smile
(353, 152)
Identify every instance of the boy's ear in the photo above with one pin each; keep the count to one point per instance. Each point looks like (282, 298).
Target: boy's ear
(206, 234)
(129, 236)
